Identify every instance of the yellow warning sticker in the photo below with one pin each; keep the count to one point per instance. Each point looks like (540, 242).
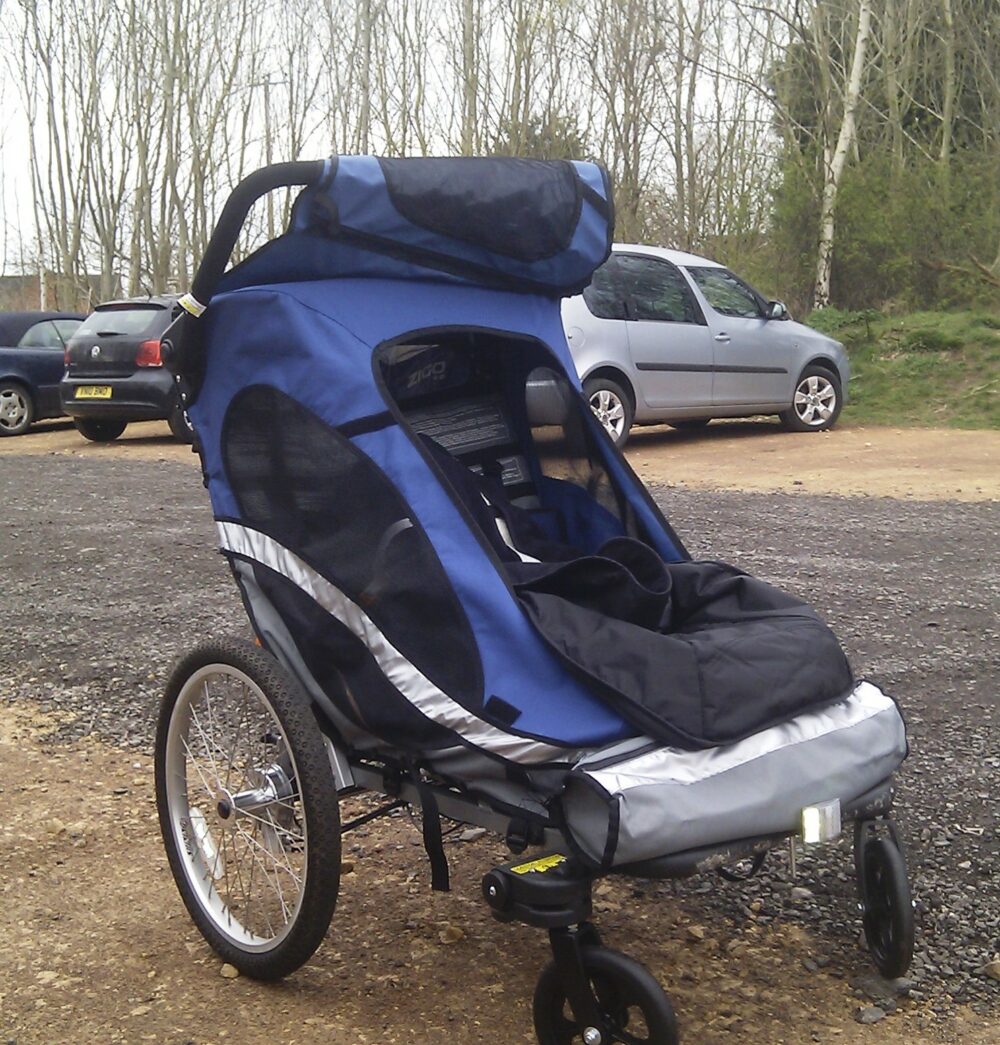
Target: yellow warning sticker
(543, 863)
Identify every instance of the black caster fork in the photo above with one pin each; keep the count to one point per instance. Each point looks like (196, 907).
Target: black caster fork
(884, 893)
(588, 993)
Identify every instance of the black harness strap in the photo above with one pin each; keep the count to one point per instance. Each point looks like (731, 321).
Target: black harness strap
(432, 838)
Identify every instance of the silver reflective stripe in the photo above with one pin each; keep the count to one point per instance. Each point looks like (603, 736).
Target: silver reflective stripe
(411, 683)
(690, 767)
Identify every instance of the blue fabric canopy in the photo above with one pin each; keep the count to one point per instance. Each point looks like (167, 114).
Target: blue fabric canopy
(526, 225)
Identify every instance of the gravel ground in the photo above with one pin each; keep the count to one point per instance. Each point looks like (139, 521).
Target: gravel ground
(110, 571)
(912, 589)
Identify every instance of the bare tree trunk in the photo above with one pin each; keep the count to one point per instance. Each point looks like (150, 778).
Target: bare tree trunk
(470, 78)
(679, 136)
(948, 101)
(891, 32)
(835, 160)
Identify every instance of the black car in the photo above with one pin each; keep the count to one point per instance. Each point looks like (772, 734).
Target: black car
(114, 373)
(32, 347)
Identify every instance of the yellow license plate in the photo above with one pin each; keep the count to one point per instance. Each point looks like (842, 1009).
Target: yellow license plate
(93, 392)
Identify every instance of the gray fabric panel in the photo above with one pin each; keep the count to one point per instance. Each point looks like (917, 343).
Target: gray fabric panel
(762, 795)
(487, 777)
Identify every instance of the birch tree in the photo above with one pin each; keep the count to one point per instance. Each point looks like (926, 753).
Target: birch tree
(835, 152)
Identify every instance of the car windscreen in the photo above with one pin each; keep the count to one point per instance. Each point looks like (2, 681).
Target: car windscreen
(133, 321)
(726, 293)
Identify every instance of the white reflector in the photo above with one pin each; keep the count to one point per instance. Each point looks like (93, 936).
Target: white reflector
(821, 822)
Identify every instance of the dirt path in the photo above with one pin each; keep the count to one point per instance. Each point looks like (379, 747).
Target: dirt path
(917, 463)
(99, 949)
(922, 464)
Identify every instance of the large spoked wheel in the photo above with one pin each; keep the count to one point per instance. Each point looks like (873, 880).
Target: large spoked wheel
(816, 402)
(611, 406)
(634, 1006)
(16, 409)
(887, 908)
(248, 808)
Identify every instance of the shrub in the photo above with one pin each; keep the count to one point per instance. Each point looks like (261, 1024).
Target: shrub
(930, 341)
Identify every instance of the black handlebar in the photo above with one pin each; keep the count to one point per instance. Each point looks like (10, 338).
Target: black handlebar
(234, 214)
(181, 346)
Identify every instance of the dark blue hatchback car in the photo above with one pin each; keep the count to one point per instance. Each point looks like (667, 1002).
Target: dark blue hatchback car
(114, 373)
(32, 350)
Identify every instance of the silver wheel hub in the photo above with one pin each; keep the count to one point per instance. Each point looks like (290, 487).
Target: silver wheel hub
(13, 408)
(273, 786)
(815, 400)
(609, 410)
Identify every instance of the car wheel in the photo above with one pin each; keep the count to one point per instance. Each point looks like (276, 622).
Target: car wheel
(17, 411)
(611, 406)
(180, 426)
(816, 402)
(99, 431)
(694, 422)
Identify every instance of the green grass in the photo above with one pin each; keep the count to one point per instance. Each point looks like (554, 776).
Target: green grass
(922, 369)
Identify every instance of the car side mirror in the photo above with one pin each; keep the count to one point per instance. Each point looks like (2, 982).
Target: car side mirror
(777, 310)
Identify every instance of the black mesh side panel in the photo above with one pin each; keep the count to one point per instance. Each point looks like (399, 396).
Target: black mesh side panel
(574, 480)
(341, 664)
(300, 481)
(521, 209)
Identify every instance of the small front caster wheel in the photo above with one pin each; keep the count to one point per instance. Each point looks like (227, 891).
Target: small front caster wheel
(634, 1006)
(887, 909)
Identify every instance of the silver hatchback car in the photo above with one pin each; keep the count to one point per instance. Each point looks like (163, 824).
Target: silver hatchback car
(660, 335)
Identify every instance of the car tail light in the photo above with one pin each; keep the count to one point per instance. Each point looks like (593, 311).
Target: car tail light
(66, 356)
(148, 354)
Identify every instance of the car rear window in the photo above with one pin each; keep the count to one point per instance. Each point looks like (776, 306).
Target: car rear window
(133, 321)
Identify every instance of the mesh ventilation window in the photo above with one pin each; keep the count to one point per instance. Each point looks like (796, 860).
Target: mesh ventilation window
(303, 483)
(342, 665)
(573, 481)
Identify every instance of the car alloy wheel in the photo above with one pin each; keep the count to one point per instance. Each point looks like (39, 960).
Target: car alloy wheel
(15, 409)
(815, 400)
(611, 406)
(610, 411)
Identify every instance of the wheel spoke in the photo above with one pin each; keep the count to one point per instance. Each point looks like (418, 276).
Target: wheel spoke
(236, 738)
(247, 865)
(206, 743)
(245, 814)
(275, 882)
(286, 867)
(209, 790)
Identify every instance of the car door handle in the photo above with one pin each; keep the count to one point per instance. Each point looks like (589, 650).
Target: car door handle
(721, 337)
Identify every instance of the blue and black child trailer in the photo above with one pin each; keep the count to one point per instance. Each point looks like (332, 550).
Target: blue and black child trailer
(464, 599)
